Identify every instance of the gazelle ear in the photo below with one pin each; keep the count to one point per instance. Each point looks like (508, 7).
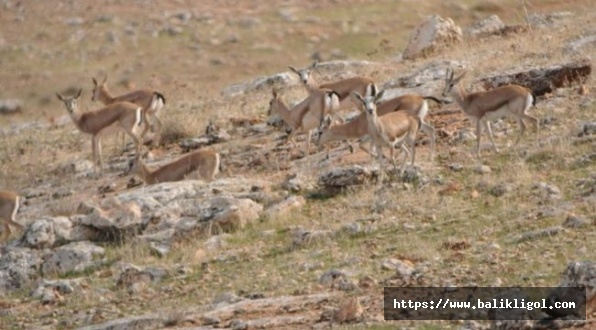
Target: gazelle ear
(314, 64)
(60, 97)
(293, 69)
(105, 78)
(461, 76)
(79, 93)
(379, 95)
(94, 81)
(358, 97)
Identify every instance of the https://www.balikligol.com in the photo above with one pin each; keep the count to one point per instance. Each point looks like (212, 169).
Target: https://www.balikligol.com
(482, 304)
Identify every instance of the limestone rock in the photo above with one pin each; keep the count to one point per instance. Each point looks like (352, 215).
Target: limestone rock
(433, 33)
(487, 26)
(18, 267)
(72, 257)
(542, 80)
(285, 206)
(347, 176)
(53, 231)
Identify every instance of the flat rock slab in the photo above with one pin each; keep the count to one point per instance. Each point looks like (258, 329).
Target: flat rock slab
(542, 80)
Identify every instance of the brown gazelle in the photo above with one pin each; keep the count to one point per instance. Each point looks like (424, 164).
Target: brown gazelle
(363, 85)
(392, 130)
(414, 104)
(151, 102)
(305, 116)
(482, 107)
(126, 115)
(205, 161)
(9, 206)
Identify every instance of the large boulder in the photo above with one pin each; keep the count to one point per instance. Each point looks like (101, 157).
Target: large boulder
(433, 33)
(54, 231)
(114, 221)
(542, 80)
(228, 214)
(343, 177)
(72, 257)
(18, 268)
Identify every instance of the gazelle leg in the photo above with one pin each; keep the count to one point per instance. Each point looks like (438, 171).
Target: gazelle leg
(94, 145)
(430, 131)
(534, 121)
(478, 137)
(308, 136)
(522, 126)
(158, 128)
(490, 134)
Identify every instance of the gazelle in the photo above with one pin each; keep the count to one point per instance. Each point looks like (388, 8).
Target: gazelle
(305, 116)
(151, 102)
(9, 206)
(126, 115)
(414, 104)
(392, 130)
(482, 107)
(363, 85)
(205, 161)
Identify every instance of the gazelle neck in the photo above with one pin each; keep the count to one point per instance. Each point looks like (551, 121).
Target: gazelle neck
(312, 83)
(105, 96)
(76, 116)
(459, 94)
(283, 111)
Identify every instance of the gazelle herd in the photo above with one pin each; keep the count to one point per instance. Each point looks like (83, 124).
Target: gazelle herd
(391, 123)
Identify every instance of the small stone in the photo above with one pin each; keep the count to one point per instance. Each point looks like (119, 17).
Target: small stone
(456, 167)
(226, 298)
(500, 189)
(482, 169)
(331, 275)
(474, 194)
(573, 221)
(349, 311)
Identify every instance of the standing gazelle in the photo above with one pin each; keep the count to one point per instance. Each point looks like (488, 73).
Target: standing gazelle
(482, 107)
(9, 206)
(414, 104)
(205, 161)
(151, 102)
(363, 85)
(392, 130)
(126, 115)
(305, 116)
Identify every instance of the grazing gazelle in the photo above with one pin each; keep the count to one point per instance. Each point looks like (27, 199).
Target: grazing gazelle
(151, 102)
(9, 206)
(414, 104)
(305, 116)
(363, 85)
(482, 107)
(205, 161)
(126, 115)
(391, 130)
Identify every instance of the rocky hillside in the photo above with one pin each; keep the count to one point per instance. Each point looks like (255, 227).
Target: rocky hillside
(280, 239)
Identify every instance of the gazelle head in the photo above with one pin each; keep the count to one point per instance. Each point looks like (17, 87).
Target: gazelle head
(275, 92)
(97, 88)
(325, 125)
(304, 74)
(450, 82)
(134, 164)
(369, 102)
(70, 101)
